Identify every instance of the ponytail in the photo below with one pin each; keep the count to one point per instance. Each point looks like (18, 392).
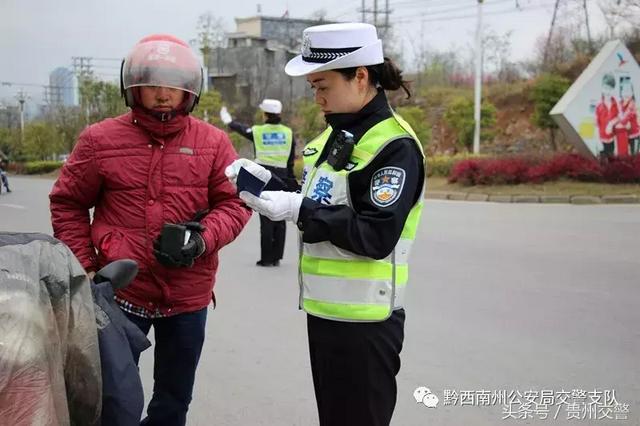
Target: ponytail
(389, 76)
(386, 75)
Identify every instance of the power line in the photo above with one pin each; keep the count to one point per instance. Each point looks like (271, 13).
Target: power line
(454, 18)
(13, 83)
(426, 3)
(458, 8)
(383, 26)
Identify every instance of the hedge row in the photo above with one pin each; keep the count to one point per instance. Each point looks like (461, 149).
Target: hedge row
(40, 167)
(531, 169)
(442, 165)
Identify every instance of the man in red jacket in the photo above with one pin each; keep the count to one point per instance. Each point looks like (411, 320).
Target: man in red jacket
(153, 166)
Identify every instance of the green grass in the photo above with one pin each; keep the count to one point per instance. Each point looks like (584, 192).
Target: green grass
(561, 187)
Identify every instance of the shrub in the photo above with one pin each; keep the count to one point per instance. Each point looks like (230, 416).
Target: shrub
(417, 119)
(492, 171)
(532, 169)
(547, 91)
(40, 167)
(441, 165)
(465, 172)
(572, 166)
(622, 170)
(308, 121)
(459, 117)
(504, 171)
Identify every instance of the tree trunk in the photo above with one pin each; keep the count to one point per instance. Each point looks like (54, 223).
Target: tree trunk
(554, 145)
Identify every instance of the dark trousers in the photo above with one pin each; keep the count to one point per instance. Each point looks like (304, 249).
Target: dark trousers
(634, 145)
(5, 180)
(178, 345)
(354, 367)
(272, 236)
(608, 149)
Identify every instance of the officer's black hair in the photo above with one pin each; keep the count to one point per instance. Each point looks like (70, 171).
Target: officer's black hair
(272, 118)
(386, 74)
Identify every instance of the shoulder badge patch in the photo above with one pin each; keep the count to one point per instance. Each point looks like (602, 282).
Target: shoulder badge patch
(386, 186)
(309, 151)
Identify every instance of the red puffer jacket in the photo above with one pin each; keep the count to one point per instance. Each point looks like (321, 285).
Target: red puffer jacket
(140, 173)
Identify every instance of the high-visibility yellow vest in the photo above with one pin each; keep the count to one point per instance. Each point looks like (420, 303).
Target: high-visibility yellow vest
(336, 283)
(273, 144)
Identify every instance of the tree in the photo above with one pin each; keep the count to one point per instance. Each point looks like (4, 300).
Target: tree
(41, 141)
(497, 54)
(100, 100)
(211, 34)
(9, 141)
(417, 119)
(620, 14)
(547, 91)
(208, 109)
(459, 117)
(69, 122)
(442, 68)
(309, 121)
(319, 15)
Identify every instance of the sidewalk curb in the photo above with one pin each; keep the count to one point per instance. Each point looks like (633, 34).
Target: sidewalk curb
(534, 199)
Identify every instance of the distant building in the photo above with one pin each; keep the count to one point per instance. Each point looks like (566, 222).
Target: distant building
(251, 66)
(287, 32)
(9, 116)
(63, 88)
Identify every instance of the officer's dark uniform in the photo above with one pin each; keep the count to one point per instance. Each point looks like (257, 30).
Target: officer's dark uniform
(362, 355)
(272, 234)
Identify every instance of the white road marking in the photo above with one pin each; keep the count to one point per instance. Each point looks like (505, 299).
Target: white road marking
(13, 206)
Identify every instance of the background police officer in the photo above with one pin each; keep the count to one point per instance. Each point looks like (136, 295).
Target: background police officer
(274, 148)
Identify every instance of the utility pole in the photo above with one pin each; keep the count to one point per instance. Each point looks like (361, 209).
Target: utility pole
(83, 70)
(381, 25)
(22, 98)
(82, 66)
(553, 22)
(478, 83)
(386, 15)
(375, 13)
(53, 95)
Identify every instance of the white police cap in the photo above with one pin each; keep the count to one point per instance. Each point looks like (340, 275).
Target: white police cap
(271, 106)
(334, 46)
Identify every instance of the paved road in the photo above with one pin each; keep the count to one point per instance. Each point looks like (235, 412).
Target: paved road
(503, 297)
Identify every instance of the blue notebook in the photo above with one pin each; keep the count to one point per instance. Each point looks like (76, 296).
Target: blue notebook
(248, 182)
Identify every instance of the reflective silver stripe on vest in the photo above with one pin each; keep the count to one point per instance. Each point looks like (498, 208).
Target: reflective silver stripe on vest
(326, 250)
(351, 291)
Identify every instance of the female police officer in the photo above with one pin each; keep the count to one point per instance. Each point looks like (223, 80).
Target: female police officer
(358, 211)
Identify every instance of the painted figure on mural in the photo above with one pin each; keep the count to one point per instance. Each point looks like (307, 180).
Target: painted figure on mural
(629, 115)
(606, 113)
(617, 117)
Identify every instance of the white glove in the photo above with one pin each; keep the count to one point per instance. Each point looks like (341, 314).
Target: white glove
(232, 170)
(225, 116)
(276, 205)
(610, 125)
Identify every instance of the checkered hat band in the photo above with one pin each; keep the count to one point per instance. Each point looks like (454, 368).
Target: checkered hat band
(322, 56)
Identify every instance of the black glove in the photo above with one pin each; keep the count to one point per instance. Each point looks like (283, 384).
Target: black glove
(193, 249)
